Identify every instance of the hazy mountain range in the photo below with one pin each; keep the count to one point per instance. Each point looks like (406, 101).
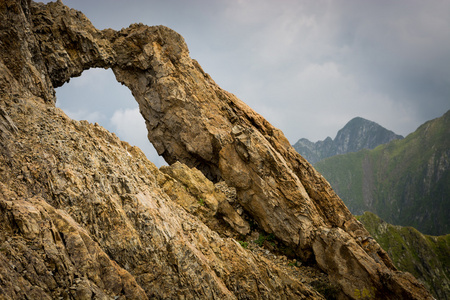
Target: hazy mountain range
(356, 135)
(405, 182)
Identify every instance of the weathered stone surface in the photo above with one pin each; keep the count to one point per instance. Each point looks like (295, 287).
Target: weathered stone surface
(196, 191)
(48, 255)
(117, 202)
(84, 214)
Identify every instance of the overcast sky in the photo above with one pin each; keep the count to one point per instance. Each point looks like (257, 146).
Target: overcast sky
(306, 66)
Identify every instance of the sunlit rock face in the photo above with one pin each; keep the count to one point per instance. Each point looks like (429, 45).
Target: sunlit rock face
(85, 214)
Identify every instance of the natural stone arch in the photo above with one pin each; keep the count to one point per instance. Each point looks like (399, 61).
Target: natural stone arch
(143, 59)
(96, 96)
(190, 119)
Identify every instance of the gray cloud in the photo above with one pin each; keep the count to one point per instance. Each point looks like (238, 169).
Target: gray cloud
(306, 66)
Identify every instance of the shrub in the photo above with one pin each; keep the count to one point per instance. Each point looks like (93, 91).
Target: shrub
(243, 244)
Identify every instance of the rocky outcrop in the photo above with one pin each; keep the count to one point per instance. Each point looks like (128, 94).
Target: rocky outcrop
(192, 190)
(109, 213)
(356, 135)
(83, 215)
(44, 249)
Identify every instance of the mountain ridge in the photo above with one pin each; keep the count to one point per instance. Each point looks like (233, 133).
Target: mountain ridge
(357, 134)
(405, 182)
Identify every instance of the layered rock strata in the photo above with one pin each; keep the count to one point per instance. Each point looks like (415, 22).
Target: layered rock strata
(93, 209)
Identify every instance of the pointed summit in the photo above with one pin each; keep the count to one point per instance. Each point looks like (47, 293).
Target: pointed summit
(356, 135)
(360, 133)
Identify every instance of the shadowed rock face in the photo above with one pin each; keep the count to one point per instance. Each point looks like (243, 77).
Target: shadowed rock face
(192, 120)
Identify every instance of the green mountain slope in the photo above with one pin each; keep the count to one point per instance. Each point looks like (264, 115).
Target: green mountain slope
(426, 257)
(405, 182)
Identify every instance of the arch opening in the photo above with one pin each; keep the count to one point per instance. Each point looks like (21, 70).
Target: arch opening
(96, 96)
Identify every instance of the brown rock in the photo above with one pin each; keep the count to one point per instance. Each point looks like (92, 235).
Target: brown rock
(201, 191)
(51, 254)
(99, 216)
(106, 227)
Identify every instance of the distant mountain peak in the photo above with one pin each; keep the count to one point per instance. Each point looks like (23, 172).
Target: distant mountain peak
(357, 134)
(405, 182)
(359, 119)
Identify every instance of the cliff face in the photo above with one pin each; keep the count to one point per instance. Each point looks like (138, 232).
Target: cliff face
(84, 214)
(356, 135)
(405, 182)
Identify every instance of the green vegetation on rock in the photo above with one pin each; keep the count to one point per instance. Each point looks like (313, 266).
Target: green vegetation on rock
(405, 182)
(426, 257)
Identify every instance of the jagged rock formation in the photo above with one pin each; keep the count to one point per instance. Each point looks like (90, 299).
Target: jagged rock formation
(85, 215)
(207, 202)
(425, 256)
(405, 182)
(356, 135)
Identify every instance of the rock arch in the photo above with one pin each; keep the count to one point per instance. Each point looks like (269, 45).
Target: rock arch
(191, 119)
(97, 97)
